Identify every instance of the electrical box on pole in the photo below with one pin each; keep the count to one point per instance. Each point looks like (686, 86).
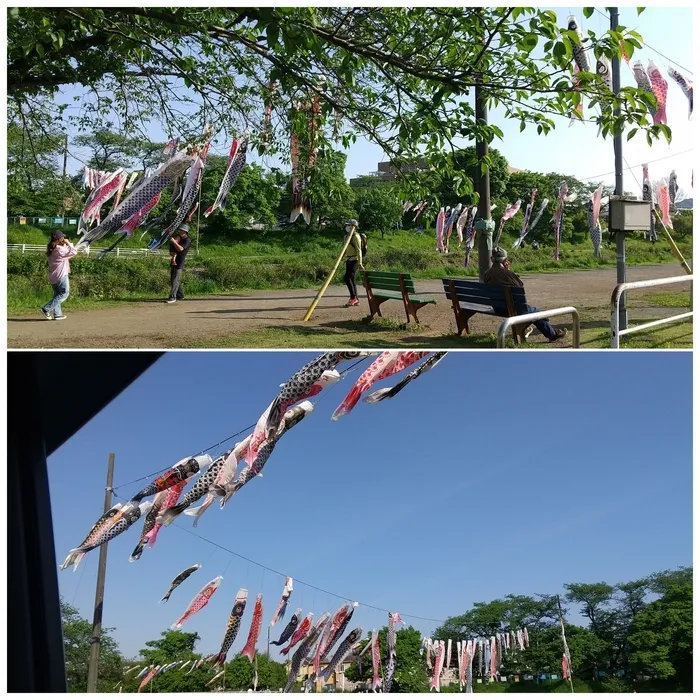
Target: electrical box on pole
(628, 214)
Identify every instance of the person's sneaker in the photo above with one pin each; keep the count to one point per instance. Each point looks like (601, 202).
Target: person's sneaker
(60, 318)
(47, 314)
(561, 332)
(354, 302)
(170, 301)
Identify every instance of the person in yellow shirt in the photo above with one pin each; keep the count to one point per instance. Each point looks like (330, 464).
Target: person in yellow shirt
(353, 260)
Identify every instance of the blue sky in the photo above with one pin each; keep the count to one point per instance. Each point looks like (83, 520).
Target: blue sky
(491, 474)
(577, 150)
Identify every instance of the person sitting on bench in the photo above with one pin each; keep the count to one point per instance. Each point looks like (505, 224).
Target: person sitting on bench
(500, 273)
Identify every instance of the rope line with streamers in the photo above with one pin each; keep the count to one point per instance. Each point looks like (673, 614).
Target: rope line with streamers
(649, 46)
(343, 374)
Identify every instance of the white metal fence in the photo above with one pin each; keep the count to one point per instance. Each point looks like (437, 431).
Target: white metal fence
(616, 333)
(539, 316)
(139, 252)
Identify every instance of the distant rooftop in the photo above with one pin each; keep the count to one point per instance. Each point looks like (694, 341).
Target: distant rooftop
(387, 172)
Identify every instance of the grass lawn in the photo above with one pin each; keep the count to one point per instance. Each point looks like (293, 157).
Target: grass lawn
(384, 332)
(289, 259)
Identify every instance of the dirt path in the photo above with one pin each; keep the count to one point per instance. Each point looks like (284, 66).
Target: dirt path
(153, 324)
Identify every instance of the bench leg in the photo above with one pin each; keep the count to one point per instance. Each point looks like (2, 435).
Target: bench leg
(374, 307)
(463, 321)
(519, 333)
(413, 308)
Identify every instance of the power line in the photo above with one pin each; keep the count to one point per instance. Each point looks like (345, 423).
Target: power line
(304, 583)
(297, 580)
(201, 452)
(649, 46)
(629, 167)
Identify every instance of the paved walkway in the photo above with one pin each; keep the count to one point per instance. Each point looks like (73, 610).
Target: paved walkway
(153, 324)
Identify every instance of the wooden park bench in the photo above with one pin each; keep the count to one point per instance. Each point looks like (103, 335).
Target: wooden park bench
(381, 286)
(469, 298)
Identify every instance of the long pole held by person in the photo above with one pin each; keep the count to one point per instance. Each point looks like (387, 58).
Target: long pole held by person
(566, 646)
(100, 590)
(322, 291)
(619, 191)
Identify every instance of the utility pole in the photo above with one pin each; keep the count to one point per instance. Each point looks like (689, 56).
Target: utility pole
(63, 181)
(617, 146)
(483, 225)
(100, 590)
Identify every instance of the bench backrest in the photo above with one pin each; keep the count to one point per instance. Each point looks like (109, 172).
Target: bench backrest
(488, 295)
(389, 281)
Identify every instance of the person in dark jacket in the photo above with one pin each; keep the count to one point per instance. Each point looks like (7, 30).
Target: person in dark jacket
(353, 261)
(500, 273)
(179, 246)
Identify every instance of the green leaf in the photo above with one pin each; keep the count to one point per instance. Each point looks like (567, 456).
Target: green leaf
(632, 133)
(588, 12)
(640, 10)
(273, 35)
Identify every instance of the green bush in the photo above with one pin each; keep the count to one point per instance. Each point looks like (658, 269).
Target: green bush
(615, 685)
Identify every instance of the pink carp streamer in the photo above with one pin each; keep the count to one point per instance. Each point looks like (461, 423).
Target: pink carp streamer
(198, 602)
(659, 87)
(437, 668)
(643, 83)
(419, 210)
(439, 230)
(108, 187)
(148, 677)
(388, 363)
(565, 672)
(376, 659)
(509, 213)
(300, 633)
(172, 496)
(664, 199)
(336, 627)
(249, 648)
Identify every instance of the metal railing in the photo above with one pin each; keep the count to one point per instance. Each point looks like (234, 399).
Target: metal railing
(616, 333)
(32, 248)
(539, 316)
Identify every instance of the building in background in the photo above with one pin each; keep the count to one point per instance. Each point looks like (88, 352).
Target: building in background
(386, 171)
